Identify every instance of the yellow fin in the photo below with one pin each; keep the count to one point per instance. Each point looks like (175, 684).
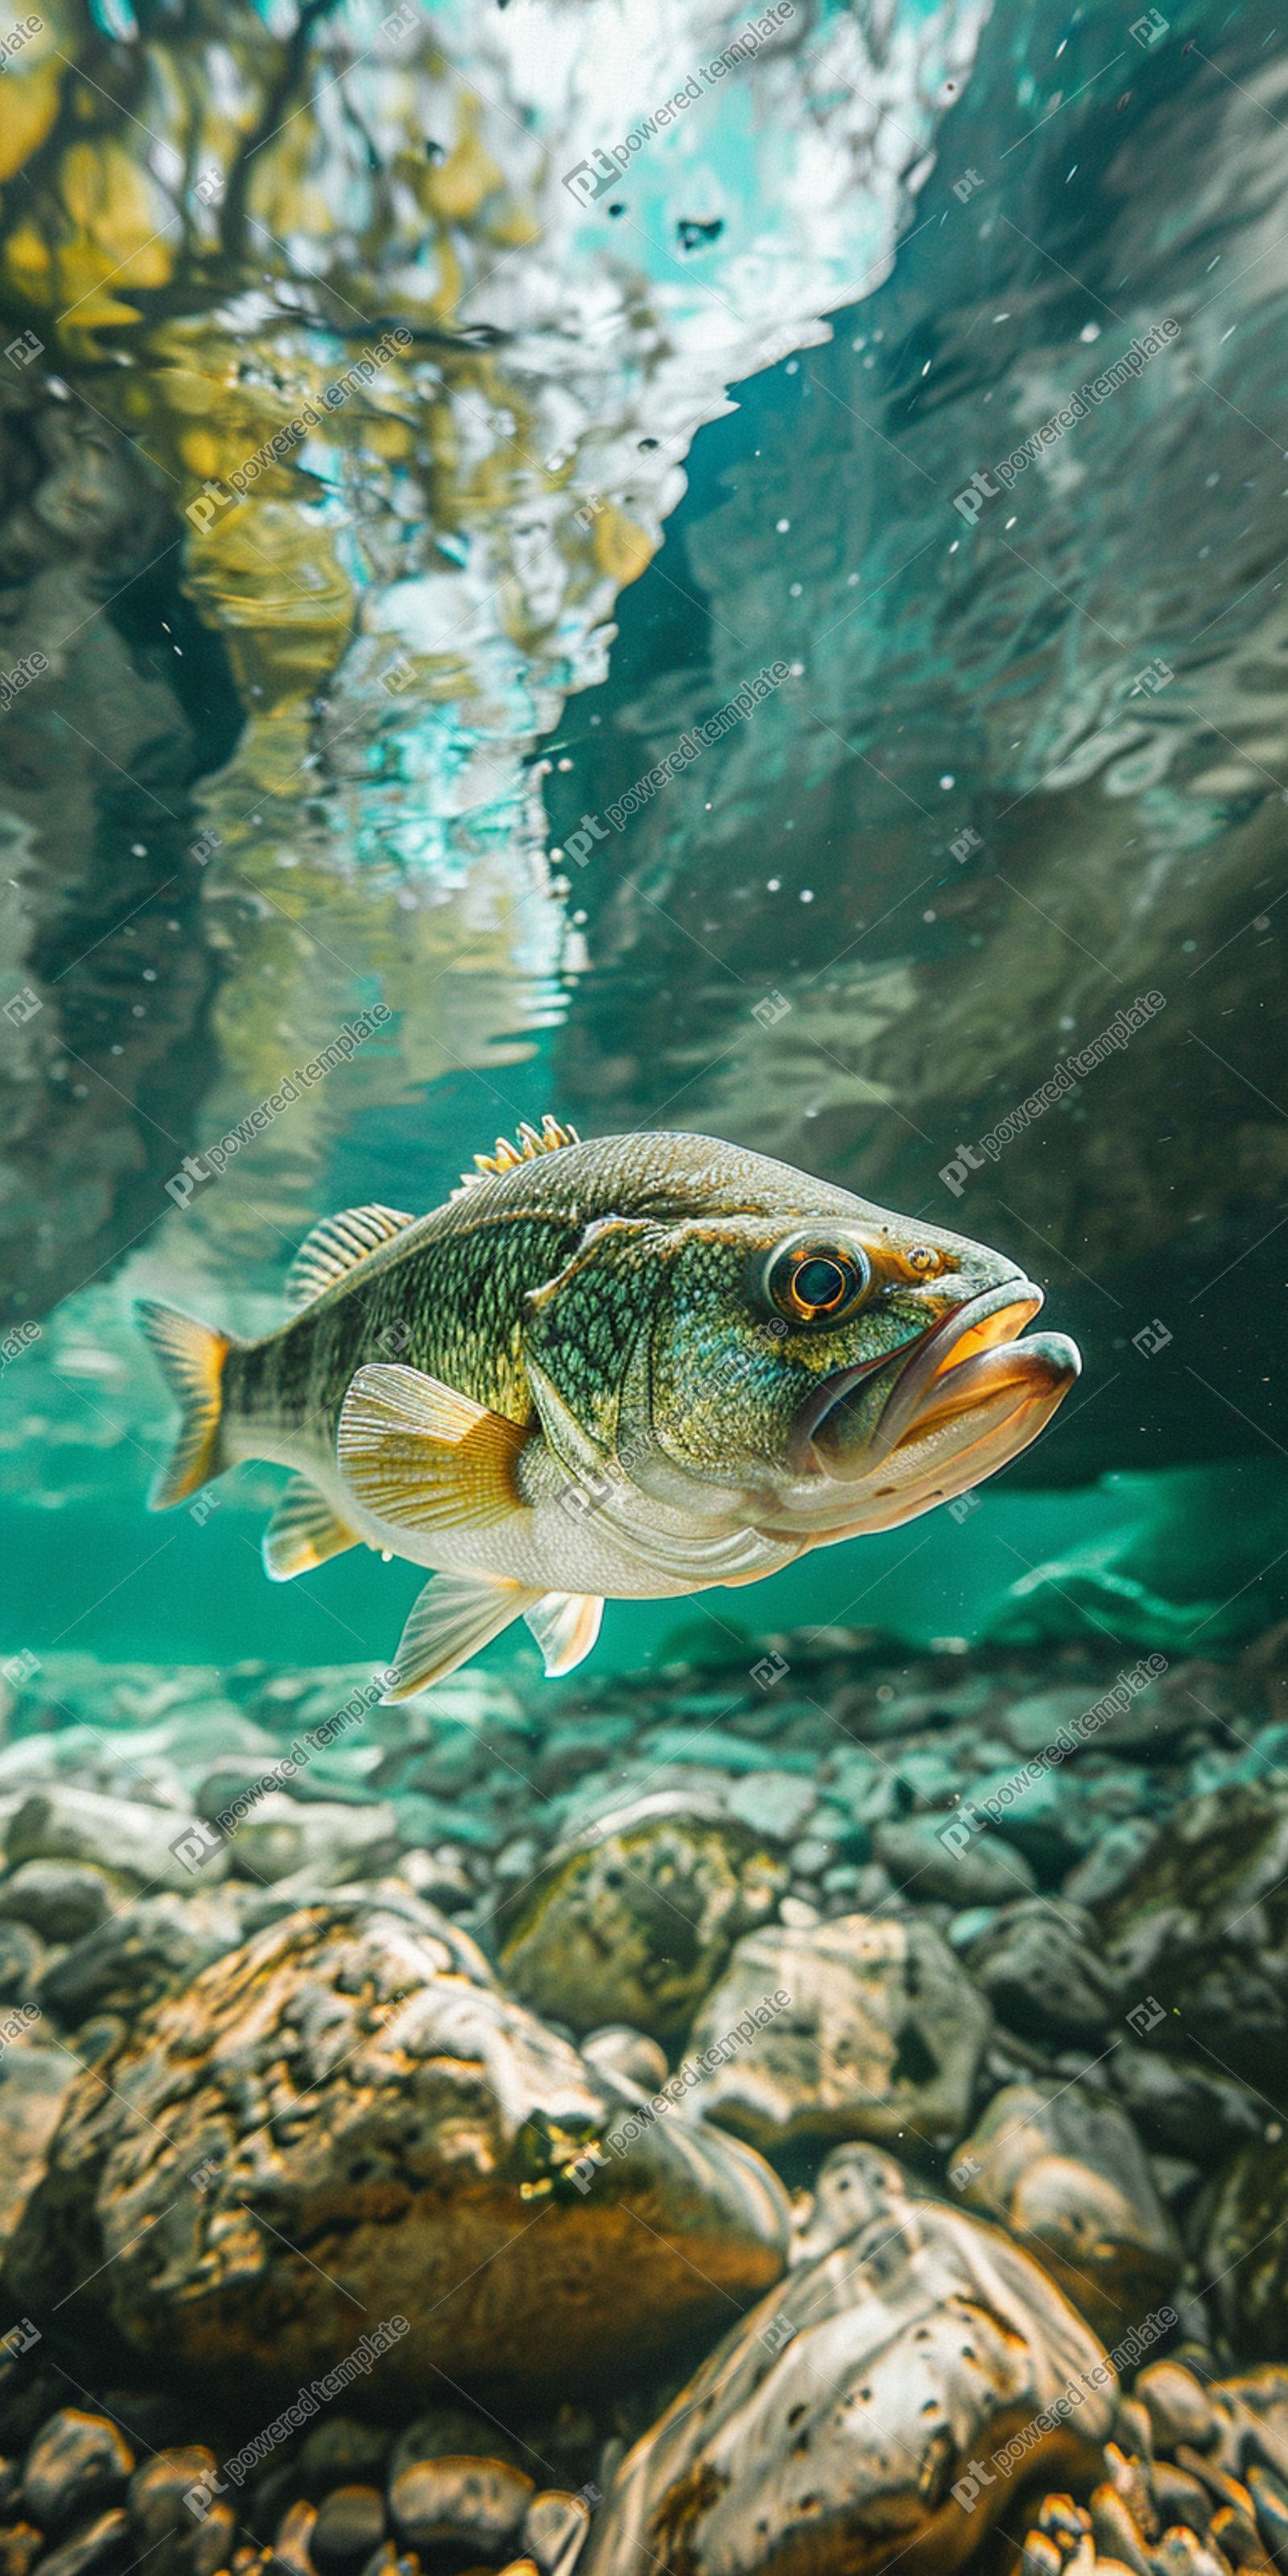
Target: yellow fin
(335, 1247)
(505, 1157)
(565, 1625)
(421, 1456)
(454, 1616)
(192, 1357)
(303, 1532)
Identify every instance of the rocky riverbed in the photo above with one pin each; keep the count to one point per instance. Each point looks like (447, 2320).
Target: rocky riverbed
(806, 2111)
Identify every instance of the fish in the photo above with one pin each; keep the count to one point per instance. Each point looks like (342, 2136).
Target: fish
(635, 1367)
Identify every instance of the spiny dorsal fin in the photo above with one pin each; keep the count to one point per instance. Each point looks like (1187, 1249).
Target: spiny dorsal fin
(337, 1246)
(422, 1456)
(303, 1532)
(506, 1157)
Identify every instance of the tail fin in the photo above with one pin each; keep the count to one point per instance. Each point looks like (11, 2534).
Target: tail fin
(192, 1357)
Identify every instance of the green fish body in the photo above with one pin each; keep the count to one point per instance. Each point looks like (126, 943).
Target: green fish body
(633, 1367)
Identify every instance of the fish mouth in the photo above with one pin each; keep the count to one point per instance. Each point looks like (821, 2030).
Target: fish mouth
(969, 1380)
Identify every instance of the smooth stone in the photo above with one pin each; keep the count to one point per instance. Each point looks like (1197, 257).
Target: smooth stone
(474, 2504)
(450, 2432)
(34, 2085)
(22, 1956)
(985, 1871)
(1182, 2109)
(622, 2051)
(142, 1951)
(60, 1899)
(1050, 1819)
(1201, 1927)
(292, 2544)
(421, 2124)
(92, 2544)
(350, 2525)
(77, 2463)
(1041, 1968)
(1033, 1724)
(554, 2530)
(341, 2451)
(59, 1822)
(773, 1802)
(635, 1921)
(1066, 2175)
(882, 2037)
(1244, 2254)
(280, 1835)
(836, 2419)
(1111, 1861)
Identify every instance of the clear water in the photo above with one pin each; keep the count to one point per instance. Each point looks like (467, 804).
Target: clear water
(324, 734)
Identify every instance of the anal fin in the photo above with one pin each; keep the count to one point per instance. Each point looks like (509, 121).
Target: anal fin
(303, 1532)
(455, 1615)
(418, 1454)
(565, 1625)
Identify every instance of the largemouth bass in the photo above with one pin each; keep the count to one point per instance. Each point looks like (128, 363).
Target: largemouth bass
(630, 1368)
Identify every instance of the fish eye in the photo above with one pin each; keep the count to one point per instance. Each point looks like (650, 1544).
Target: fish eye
(812, 1281)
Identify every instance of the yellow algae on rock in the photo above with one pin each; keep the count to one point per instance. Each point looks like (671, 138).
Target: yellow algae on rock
(457, 187)
(620, 548)
(30, 106)
(120, 217)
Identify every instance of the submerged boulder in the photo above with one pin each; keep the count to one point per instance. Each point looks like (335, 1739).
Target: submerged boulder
(634, 1919)
(880, 2036)
(34, 2085)
(1199, 1930)
(884, 2400)
(1067, 2176)
(344, 2131)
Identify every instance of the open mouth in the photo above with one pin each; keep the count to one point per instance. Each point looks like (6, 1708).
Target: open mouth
(967, 1376)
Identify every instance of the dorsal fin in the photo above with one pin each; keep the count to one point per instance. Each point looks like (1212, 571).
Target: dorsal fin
(506, 1157)
(337, 1246)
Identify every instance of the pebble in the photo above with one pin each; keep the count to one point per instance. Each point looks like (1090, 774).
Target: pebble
(77, 2462)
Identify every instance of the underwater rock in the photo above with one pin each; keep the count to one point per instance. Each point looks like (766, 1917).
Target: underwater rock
(635, 1919)
(477, 2505)
(554, 2529)
(77, 2462)
(831, 2427)
(280, 1835)
(61, 1822)
(985, 1871)
(345, 2125)
(143, 1951)
(1244, 2255)
(881, 2036)
(161, 2521)
(97, 2543)
(1066, 2175)
(1181, 2109)
(60, 1899)
(34, 2085)
(350, 2525)
(1200, 1929)
(1040, 1966)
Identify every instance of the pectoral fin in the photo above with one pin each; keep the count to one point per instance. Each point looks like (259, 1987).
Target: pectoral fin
(303, 1532)
(417, 1454)
(565, 1625)
(454, 1616)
